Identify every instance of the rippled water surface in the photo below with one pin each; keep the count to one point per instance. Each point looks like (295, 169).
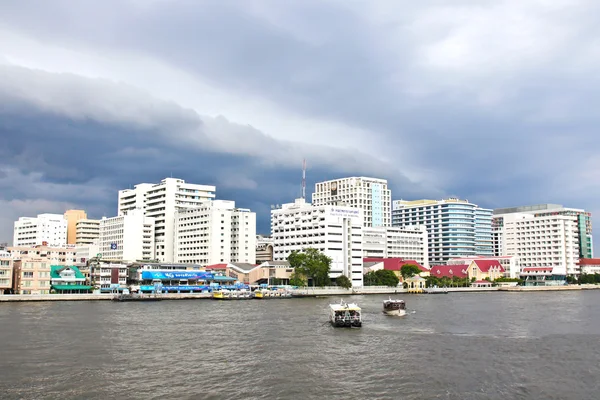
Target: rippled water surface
(455, 346)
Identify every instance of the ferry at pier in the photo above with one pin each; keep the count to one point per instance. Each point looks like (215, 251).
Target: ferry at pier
(394, 307)
(345, 315)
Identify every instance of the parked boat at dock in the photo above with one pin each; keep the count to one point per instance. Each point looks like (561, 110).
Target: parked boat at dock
(345, 315)
(394, 307)
(135, 297)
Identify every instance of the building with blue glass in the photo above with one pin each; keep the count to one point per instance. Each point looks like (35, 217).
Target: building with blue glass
(455, 227)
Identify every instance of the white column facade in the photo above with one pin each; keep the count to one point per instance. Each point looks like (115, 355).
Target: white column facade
(128, 237)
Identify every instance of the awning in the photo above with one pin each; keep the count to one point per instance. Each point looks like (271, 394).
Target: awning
(71, 287)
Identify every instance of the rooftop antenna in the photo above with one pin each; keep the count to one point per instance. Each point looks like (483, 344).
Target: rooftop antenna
(304, 179)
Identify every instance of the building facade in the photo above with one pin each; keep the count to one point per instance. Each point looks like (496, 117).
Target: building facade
(215, 232)
(544, 235)
(264, 249)
(50, 255)
(410, 243)
(6, 273)
(371, 195)
(31, 276)
(335, 231)
(456, 228)
(72, 217)
(127, 237)
(43, 230)
(511, 264)
(161, 201)
(87, 231)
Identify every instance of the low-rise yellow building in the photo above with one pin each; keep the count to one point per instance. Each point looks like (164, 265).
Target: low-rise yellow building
(31, 276)
(485, 270)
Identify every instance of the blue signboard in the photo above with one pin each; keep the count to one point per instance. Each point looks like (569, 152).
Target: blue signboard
(183, 288)
(170, 275)
(113, 246)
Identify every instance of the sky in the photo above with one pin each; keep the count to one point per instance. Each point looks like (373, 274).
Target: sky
(490, 101)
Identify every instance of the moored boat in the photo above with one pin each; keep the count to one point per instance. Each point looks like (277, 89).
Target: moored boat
(345, 315)
(135, 297)
(394, 307)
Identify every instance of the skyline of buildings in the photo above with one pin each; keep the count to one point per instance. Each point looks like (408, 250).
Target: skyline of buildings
(179, 222)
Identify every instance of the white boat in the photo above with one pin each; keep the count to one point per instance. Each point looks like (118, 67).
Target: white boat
(345, 315)
(394, 307)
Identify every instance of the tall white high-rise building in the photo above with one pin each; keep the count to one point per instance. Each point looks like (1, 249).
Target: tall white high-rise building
(544, 235)
(335, 231)
(161, 201)
(127, 237)
(409, 243)
(43, 230)
(215, 232)
(369, 194)
(456, 227)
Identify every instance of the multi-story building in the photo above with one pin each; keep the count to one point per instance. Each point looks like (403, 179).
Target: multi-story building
(546, 235)
(456, 228)
(108, 276)
(72, 217)
(264, 249)
(43, 230)
(335, 231)
(127, 237)
(409, 243)
(85, 252)
(6, 273)
(161, 201)
(87, 231)
(50, 255)
(31, 276)
(215, 232)
(371, 195)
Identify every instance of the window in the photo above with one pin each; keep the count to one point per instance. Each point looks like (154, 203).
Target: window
(27, 274)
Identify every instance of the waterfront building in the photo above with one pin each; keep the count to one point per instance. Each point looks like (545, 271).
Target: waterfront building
(511, 264)
(127, 237)
(485, 270)
(371, 195)
(335, 231)
(542, 276)
(108, 276)
(83, 253)
(67, 280)
(50, 255)
(87, 231)
(161, 201)
(264, 249)
(215, 232)
(456, 228)
(545, 235)
(589, 265)
(450, 271)
(409, 242)
(31, 276)
(6, 273)
(392, 264)
(72, 217)
(43, 230)
(267, 273)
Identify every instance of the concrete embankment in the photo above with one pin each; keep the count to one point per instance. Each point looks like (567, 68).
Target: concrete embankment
(93, 297)
(548, 288)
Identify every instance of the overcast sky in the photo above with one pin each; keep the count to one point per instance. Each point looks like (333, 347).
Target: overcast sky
(492, 101)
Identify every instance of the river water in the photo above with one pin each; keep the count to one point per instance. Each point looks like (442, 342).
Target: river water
(455, 346)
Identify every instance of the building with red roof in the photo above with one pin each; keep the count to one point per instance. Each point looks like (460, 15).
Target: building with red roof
(449, 271)
(485, 269)
(589, 265)
(391, 264)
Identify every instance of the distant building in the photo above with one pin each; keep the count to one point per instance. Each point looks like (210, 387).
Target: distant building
(450, 271)
(31, 276)
(511, 264)
(456, 228)
(392, 264)
(335, 231)
(127, 237)
(371, 195)
(589, 265)
(67, 280)
(48, 255)
(108, 276)
(84, 252)
(215, 232)
(87, 231)
(544, 235)
(409, 242)
(43, 230)
(161, 201)
(264, 249)
(72, 217)
(6, 273)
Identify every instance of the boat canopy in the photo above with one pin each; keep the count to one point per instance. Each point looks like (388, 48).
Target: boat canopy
(344, 307)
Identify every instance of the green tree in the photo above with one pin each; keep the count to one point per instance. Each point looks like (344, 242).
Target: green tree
(381, 277)
(311, 264)
(409, 270)
(297, 279)
(343, 281)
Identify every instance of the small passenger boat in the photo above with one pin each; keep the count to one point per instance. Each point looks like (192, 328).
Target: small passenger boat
(394, 307)
(345, 315)
(220, 295)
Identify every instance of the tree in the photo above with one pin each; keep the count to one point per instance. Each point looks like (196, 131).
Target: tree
(409, 270)
(381, 277)
(297, 279)
(312, 264)
(343, 281)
